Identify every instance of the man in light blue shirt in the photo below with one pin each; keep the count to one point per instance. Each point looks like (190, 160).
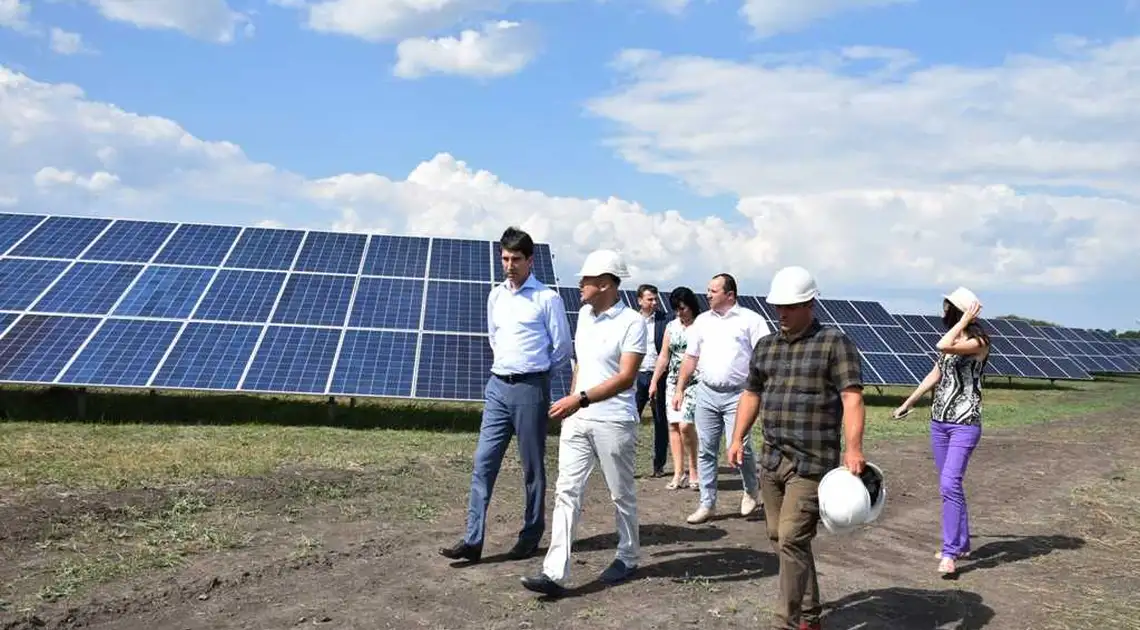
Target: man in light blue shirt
(530, 337)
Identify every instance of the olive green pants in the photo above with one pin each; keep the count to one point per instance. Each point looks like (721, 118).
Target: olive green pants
(791, 509)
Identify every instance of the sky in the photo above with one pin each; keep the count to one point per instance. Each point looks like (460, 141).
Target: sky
(895, 148)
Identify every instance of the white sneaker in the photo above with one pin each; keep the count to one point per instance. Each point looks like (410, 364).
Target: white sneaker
(749, 502)
(701, 515)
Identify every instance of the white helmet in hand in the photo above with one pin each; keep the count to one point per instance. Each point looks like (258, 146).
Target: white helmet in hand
(848, 501)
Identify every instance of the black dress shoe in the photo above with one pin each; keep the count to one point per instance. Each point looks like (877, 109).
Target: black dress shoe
(522, 550)
(462, 551)
(542, 584)
(618, 571)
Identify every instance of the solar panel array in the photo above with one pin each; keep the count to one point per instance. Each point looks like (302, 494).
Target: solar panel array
(109, 302)
(103, 302)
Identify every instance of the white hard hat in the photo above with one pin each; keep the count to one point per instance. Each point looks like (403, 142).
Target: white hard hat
(961, 298)
(604, 261)
(848, 501)
(792, 285)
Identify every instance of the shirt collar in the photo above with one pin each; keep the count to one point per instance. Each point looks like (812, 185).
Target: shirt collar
(610, 312)
(530, 283)
(732, 310)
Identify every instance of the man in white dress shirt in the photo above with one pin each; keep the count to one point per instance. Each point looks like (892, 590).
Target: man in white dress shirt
(720, 345)
(601, 422)
(530, 337)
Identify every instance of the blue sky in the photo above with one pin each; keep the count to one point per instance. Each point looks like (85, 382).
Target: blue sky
(574, 121)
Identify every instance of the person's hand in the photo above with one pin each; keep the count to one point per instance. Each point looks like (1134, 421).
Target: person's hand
(972, 312)
(564, 407)
(653, 390)
(853, 461)
(901, 411)
(736, 454)
(678, 398)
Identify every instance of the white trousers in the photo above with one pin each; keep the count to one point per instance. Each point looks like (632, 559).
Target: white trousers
(582, 442)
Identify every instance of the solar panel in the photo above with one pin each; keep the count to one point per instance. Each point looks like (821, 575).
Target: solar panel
(1094, 351)
(127, 303)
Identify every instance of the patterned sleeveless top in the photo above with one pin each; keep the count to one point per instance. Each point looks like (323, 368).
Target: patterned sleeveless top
(958, 394)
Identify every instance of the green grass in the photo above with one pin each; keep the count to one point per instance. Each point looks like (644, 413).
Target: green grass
(137, 440)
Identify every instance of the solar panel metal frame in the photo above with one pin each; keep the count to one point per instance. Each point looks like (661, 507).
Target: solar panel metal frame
(31, 223)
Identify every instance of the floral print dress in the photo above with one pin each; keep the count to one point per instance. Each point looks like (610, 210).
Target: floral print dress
(677, 344)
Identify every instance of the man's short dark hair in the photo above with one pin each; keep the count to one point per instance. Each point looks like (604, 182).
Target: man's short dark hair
(729, 282)
(646, 287)
(516, 240)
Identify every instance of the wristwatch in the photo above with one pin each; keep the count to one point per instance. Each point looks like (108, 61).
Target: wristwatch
(583, 399)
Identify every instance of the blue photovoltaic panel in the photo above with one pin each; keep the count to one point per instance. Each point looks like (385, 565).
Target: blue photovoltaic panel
(6, 320)
(14, 227)
(560, 382)
(399, 256)
(88, 288)
(842, 312)
(241, 296)
(22, 280)
(453, 366)
(165, 292)
(193, 244)
(293, 359)
(208, 356)
(314, 300)
(542, 266)
(388, 303)
(873, 312)
(60, 237)
(870, 376)
(899, 341)
(918, 364)
(866, 339)
(330, 252)
(456, 306)
(37, 347)
(375, 363)
(266, 248)
(890, 368)
(122, 352)
(454, 259)
(129, 241)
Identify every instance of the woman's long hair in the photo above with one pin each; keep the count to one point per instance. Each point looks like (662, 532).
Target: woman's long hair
(685, 295)
(974, 330)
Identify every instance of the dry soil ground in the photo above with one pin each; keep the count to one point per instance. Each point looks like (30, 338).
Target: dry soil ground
(1055, 511)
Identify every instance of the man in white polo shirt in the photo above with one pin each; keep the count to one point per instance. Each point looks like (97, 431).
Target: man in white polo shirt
(601, 422)
(720, 344)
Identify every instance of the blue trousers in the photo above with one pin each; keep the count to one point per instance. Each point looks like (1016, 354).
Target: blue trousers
(517, 408)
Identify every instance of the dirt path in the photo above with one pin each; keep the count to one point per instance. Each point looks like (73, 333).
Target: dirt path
(1045, 556)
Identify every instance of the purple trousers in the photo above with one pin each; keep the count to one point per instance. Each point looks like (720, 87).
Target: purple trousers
(952, 445)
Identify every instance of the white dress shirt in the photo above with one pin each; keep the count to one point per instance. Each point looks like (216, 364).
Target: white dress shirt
(599, 343)
(528, 327)
(723, 345)
(649, 363)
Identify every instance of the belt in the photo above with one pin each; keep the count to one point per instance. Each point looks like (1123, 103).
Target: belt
(723, 388)
(518, 378)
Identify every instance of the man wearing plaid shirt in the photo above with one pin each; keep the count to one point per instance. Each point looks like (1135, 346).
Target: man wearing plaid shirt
(808, 382)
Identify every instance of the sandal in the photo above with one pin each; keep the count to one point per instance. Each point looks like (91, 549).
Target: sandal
(676, 483)
(947, 567)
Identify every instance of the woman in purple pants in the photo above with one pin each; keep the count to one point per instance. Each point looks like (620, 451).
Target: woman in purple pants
(955, 415)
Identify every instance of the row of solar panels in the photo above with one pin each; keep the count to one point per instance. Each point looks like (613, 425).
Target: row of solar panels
(270, 249)
(900, 349)
(142, 304)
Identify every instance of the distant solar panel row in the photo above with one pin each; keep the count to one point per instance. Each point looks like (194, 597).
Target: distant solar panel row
(102, 302)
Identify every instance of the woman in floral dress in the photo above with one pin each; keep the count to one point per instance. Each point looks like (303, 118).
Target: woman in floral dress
(682, 433)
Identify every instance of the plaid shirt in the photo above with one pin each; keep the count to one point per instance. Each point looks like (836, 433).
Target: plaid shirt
(799, 380)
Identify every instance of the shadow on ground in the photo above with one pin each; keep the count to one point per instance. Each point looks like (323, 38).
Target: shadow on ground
(907, 609)
(1017, 549)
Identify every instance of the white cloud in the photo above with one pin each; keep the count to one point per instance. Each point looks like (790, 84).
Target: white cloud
(389, 20)
(67, 43)
(209, 20)
(497, 49)
(771, 17)
(14, 14)
(885, 179)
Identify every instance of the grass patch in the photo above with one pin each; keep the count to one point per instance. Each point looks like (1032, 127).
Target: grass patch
(192, 438)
